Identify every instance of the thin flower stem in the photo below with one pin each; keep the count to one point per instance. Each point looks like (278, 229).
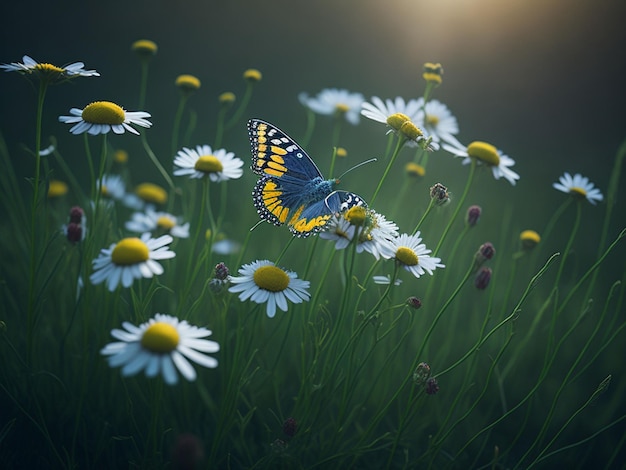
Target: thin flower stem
(399, 145)
(310, 127)
(458, 206)
(242, 107)
(431, 204)
(143, 86)
(177, 119)
(34, 226)
(155, 161)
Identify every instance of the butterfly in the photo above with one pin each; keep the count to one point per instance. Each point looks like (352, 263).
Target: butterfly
(291, 189)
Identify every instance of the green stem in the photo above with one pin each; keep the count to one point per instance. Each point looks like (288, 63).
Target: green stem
(34, 226)
(399, 144)
(155, 161)
(177, 119)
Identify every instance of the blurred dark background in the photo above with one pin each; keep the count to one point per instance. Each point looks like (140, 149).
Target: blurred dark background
(541, 79)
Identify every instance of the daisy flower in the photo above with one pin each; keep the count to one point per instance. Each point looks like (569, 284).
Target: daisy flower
(411, 254)
(218, 165)
(159, 347)
(100, 117)
(401, 118)
(335, 101)
(373, 229)
(130, 259)
(49, 71)
(484, 153)
(263, 282)
(579, 186)
(151, 220)
(379, 110)
(437, 120)
(112, 186)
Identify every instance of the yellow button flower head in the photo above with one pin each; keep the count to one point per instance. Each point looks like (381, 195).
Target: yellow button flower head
(433, 73)
(144, 48)
(252, 75)
(151, 192)
(57, 189)
(226, 98)
(529, 239)
(120, 156)
(415, 170)
(188, 83)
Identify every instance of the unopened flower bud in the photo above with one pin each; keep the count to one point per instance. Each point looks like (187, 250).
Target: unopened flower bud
(483, 276)
(221, 271)
(76, 215)
(414, 302)
(74, 232)
(485, 252)
(473, 214)
(290, 427)
(421, 374)
(431, 386)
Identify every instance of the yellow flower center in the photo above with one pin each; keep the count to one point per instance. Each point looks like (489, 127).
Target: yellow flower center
(105, 191)
(120, 156)
(395, 121)
(145, 47)
(104, 112)
(57, 188)
(49, 68)
(271, 278)
(342, 152)
(484, 152)
(166, 223)
(227, 97)
(432, 120)
(414, 169)
(160, 338)
(433, 72)
(209, 164)
(188, 82)
(410, 130)
(151, 192)
(529, 238)
(356, 215)
(130, 251)
(578, 191)
(406, 256)
(252, 75)
(342, 108)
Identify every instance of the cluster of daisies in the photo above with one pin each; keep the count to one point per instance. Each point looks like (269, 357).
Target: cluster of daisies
(164, 345)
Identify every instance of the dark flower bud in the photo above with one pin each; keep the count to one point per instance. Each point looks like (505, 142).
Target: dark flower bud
(76, 215)
(414, 302)
(74, 232)
(483, 276)
(421, 374)
(290, 427)
(485, 252)
(473, 214)
(221, 271)
(431, 386)
(187, 452)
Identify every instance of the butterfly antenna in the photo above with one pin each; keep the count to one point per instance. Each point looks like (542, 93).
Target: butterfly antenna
(355, 167)
(256, 225)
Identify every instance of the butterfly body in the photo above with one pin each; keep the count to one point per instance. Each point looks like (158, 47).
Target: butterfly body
(291, 189)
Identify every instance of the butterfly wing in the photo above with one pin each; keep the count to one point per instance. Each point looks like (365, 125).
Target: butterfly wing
(314, 217)
(275, 154)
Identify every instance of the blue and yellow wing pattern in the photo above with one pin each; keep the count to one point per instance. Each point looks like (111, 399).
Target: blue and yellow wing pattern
(291, 190)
